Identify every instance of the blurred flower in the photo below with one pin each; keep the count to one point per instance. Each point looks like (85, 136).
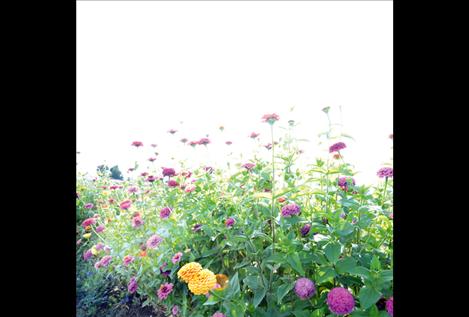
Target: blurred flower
(204, 141)
(172, 183)
(165, 212)
(189, 188)
(132, 286)
(105, 260)
(197, 227)
(249, 166)
(270, 118)
(186, 174)
(144, 174)
(268, 146)
(164, 273)
(254, 135)
(340, 301)
(336, 156)
(154, 241)
(114, 187)
(385, 172)
(87, 235)
(208, 169)
(165, 290)
(143, 253)
(88, 222)
(290, 209)
(100, 228)
(390, 306)
(172, 131)
(107, 249)
(304, 288)
(228, 142)
(218, 314)
(168, 171)
(125, 204)
(391, 216)
(151, 179)
(281, 199)
(137, 143)
(305, 229)
(188, 271)
(183, 140)
(132, 189)
(89, 206)
(87, 228)
(193, 143)
(87, 255)
(152, 159)
(202, 282)
(175, 310)
(337, 147)
(99, 246)
(137, 222)
(176, 258)
(153, 145)
(222, 281)
(78, 241)
(229, 222)
(345, 182)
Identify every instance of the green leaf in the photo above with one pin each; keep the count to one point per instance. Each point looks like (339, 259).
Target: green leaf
(375, 264)
(252, 282)
(360, 271)
(318, 313)
(328, 274)
(212, 300)
(258, 296)
(332, 252)
(386, 275)
(346, 265)
(368, 296)
(294, 260)
(301, 313)
(233, 286)
(283, 290)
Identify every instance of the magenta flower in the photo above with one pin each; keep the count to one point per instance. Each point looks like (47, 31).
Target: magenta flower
(165, 212)
(113, 187)
(151, 178)
(165, 290)
(290, 209)
(105, 260)
(204, 141)
(270, 118)
(172, 183)
(228, 142)
(88, 222)
(193, 143)
(390, 306)
(137, 222)
(132, 189)
(176, 258)
(248, 166)
(340, 301)
(99, 246)
(154, 241)
(128, 259)
(87, 255)
(385, 172)
(132, 286)
(89, 206)
(175, 310)
(254, 135)
(304, 288)
(189, 188)
(229, 222)
(305, 229)
(125, 204)
(100, 228)
(337, 147)
(208, 169)
(167, 171)
(345, 182)
(137, 144)
(218, 314)
(152, 159)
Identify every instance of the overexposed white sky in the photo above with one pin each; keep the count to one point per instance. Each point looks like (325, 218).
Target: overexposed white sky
(144, 67)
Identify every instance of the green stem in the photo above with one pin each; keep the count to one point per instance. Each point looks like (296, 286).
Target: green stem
(384, 190)
(272, 221)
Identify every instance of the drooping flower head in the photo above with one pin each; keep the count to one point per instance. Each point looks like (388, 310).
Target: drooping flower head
(385, 172)
(88, 222)
(290, 210)
(270, 118)
(304, 288)
(189, 271)
(164, 290)
(176, 258)
(132, 286)
(154, 241)
(229, 222)
(305, 229)
(137, 144)
(340, 301)
(202, 282)
(337, 147)
(137, 222)
(390, 306)
(89, 206)
(128, 259)
(125, 204)
(165, 212)
(167, 171)
(254, 135)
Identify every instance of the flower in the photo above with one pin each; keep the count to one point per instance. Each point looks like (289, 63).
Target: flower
(107, 249)
(164, 273)
(176, 258)
(202, 282)
(103, 262)
(137, 222)
(152, 159)
(128, 259)
(132, 286)
(193, 143)
(254, 135)
(100, 228)
(222, 280)
(168, 171)
(154, 241)
(229, 222)
(270, 118)
(165, 212)
(172, 131)
(228, 142)
(93, 250)
(153, 145)
(87, 255)
(87, 235)
(188, 272)
(340, 301)
(186, 174)
(337, 147)
(305, 229)
(165, 290)
(281, 199)
(390, 306)
(208, 169)
(132, 189)
(218, 314)
(290, 209)
(151, 178)
(204, 141)
(172, 183)
(304, 288)
(248, 166)
(391, 216)
(175, 310)
(88, 222)
(137, 144)
(344, 182)
(197, 227)
(143, 253)
(89, 206)
(78, 241)
(189, 188)
(385, 172)
(183, 140)
(125, 204)
(268, 146)
(99, 246)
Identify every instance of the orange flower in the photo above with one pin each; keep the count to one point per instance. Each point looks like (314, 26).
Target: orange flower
(203, 282)
(222, 280)
(189, 271)
(87, 228)
(143, 253)
(281, 199)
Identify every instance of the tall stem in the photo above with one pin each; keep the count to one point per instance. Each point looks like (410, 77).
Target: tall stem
(272, 220)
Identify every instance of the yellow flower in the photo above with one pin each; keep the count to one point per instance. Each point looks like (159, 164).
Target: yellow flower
(188, 271)
(105, 193)
(203, 282)
(222, 280)
(87, 235)
(94, 251)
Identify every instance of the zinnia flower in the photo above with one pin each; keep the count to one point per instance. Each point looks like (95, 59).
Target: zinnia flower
(254, 135)
(340, 301)
(229, 222)
(176, 258)
(390, 306)
(137, 222)
(154, 241)
(137, 143)
(204, 141)
(165, 212)
(132, 286)
(305, 229)
(87, 255)
(228, 142)
(202, 282)
(125, 204)
(100, 228)
(168, 171)
(385, 172)
(193, 143)
(345, 182)
(132, 189)
(89, 206)
(268, 146)
(304, 288)
(189, 188)
(290, 209)
(183, 140)
(128, 259)
(151, 179)
(208, 169)
(175, 310)
(337, 147)
(270, 118)
(186, 174)
(152, 159)
(172, 131)
(88, 222)
(99, 246)
(218, 314)
(248, 166)
(172, 183)
(165, 290)
(105, 261)
(188, 272)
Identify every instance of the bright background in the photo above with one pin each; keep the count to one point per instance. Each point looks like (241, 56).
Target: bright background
(146, 67)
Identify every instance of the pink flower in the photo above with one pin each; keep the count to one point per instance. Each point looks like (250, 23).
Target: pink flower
(137, 143)
(168, 171)
(88, 222)
(248, 166)
(172, 131)
(337, 147)
(152, 159)
(175, 310)
(172, 183)
(137, 222)
(229, 222)
(125, 204)
(186, 174)
(100, 228)
(164, 290)
(270, 118)
(204, 141)
(189, 188)
(154, 241)
(132, 286)
(228, 142)
(177, 257)
(89, 206)
(132, 189)
(87, 255)
(254, 135)
(165, 212)
(151, 179)
(99, 246)
(128, 259)
(218, 314)
(193, 143)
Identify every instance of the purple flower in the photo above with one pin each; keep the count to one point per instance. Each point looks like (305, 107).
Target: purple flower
(132, 189)
(137, 144)
(175, 310)
(132, 286)
(290, 209)
(218, 314)
(197, 227)
(89, 206)
(176, 258)
(230, 222)
(154, 241)
(228, 142)
(385, 172)
(390, 306)
(253, 135)
(164, 273)
(165, 212)
(165, 290)
(248, 166)
(137, 222)
(87, 255)
(105, 260)
(305, 229)
(125, 204)
(88, 222)
(100, 228)
(340, 301)
(99, 246)
(304, 288)
(172, 183)
(168, 171)
(345, 182)
(151, 178)
(204, 141)
(337, 147)
(128, 259)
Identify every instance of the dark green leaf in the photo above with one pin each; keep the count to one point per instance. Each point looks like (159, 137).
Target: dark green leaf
(294, 260)
(368, 296)
(332, 252)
